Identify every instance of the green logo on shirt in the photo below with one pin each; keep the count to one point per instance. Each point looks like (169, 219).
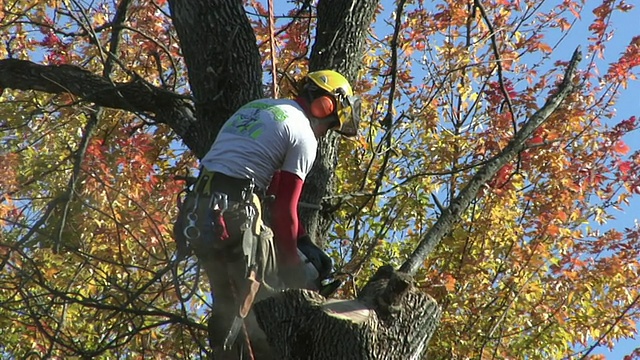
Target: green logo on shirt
(249, 120)
(277, 113)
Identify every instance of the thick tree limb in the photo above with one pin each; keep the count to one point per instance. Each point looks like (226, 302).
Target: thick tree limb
(219, 46)
(136, 96)
(451, 214)
(223, 61)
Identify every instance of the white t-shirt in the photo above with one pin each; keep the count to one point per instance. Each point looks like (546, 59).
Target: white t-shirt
(262, 137)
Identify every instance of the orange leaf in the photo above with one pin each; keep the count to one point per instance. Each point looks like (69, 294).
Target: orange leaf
(553, 230)
(545, 48)
(562, 216)
(624, 167)
(449, 283)
(620, 147)
(564, 24)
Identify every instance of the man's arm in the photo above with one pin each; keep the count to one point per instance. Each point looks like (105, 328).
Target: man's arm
(286, 187)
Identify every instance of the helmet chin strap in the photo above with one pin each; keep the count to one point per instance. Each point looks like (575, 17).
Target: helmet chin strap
(315, 125)
(314, 121)
(319, 126)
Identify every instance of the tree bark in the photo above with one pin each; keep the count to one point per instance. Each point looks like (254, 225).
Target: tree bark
(223, 62)
(339, 44)
(390, 319)
(136, 96)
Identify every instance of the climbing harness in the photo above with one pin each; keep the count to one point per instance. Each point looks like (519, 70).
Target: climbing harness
(212, 197)
(204, 208)
(218, 203)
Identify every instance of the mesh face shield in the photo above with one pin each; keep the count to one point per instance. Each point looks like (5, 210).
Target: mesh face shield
(348, 111)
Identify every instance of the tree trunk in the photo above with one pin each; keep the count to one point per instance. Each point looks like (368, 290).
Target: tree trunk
(223, 62)
(339, 44)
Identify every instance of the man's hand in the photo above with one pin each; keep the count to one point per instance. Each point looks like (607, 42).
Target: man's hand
(320, 260)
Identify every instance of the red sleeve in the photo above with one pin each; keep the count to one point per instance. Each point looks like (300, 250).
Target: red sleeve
(284, 215)
(273, 189)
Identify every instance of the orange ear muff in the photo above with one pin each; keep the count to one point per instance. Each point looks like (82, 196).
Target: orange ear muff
(322, 107)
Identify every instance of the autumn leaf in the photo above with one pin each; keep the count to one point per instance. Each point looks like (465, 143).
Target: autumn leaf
(620, 147)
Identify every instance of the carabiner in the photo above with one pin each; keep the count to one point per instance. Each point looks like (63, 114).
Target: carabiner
(191, 231)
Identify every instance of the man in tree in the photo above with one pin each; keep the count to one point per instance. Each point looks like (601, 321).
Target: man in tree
(267, 147)
(271, 144)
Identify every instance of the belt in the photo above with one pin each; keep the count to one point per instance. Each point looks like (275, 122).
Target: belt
(210, 182)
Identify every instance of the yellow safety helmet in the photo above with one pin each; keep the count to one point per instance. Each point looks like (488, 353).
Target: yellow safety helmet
(347, 105)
